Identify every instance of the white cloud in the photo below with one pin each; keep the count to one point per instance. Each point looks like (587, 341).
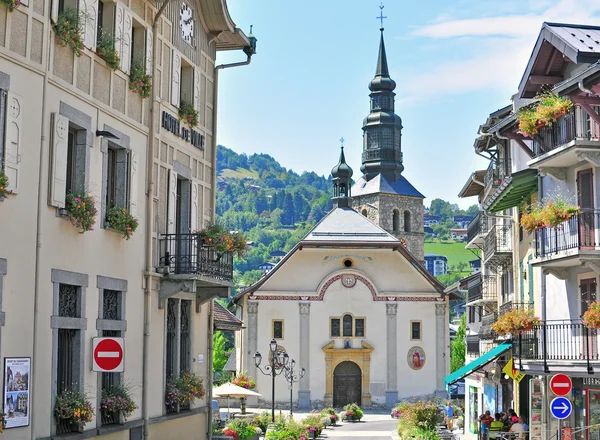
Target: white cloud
(512, 25)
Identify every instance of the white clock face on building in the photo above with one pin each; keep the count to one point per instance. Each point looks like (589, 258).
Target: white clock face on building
(186, 23)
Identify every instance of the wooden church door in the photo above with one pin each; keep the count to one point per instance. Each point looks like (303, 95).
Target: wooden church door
(347, 384)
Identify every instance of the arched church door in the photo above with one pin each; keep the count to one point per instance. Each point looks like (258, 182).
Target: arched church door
(347, 384)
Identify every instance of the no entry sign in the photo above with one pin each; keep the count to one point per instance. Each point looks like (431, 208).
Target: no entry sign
(561, 384)
(108, 354)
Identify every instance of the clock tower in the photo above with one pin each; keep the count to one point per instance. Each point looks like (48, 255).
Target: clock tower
(382, 193)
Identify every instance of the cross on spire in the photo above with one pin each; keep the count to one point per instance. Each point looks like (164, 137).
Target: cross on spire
(381, 16)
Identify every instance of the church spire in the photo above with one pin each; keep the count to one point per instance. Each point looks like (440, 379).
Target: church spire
(382, 128)
(342, 181)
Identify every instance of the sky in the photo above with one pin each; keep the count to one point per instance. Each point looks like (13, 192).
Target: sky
(454, 63)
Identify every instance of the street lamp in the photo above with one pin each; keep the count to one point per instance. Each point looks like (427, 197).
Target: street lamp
(278, 360)
(292, 377)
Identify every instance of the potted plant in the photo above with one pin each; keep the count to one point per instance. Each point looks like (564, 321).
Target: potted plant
(242, 380)
(313, 424)
(330, 412)
(188, 113)
(121, 220)
(4, 191)
(240, 429)
(515, 322)
(68, 30)
(183, 390)
(222, 240)
(591, 318)
(352, 412)
(81, 211)
(551, 214)
(118, 400)
(11, 5)
(73, 407)
(547, 108)
(139, 81)
(106, 49)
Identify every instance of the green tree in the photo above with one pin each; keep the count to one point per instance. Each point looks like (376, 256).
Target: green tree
(458, 346)
(219, 358)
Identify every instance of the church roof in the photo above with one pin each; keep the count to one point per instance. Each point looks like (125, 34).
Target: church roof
(382, 184)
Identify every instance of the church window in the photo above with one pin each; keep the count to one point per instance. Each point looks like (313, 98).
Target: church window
(359, 327)
(364, 212)
(375, 103)
(387, 138)
(347, 326)
(372, 139)
(348, 262)
(277, 329)
(347, 323)
(415, 330)
(406, 221)
(335, 327)
(396, 220)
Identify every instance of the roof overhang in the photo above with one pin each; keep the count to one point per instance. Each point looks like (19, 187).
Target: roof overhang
(473, 185)
(513, 192)
(219, 23)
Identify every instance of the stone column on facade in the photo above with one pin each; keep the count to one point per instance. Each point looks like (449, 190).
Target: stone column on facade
(391, 393)
(441, 327)
(252, 338)
(304, 360)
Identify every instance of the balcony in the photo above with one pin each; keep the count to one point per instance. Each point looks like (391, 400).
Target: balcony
(483, 292)
(485, 331)
(491, 180)
(191, 267)
(560, 144)
(559, 341)
(511, 305)
(497, 247)
(571, 243)
(476, 231)
(473, 345)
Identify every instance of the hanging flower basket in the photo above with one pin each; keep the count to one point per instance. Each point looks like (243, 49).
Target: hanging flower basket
(188, 113)
(4, 191)
(546, 110)
(118, 400)
(515, 322)
(242, 380)
(222, 240)
(120, 220)
(552, 215)
(591, 318)
(139, 81)
(11, 5)
(74, 407)
(81, 211)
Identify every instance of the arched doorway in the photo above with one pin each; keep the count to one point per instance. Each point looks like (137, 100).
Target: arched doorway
(347, 388)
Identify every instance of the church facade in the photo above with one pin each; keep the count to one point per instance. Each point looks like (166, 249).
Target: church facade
(352, 302)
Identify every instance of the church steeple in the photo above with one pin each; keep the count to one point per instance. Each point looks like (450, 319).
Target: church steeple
(382, 153)
(342, 181)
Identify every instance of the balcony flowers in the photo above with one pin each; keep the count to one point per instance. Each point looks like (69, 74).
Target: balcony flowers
(74, 407)
(545, 111)
(139, 81)
(242, 380)
(68, 30)
(183, 390)
(552, 215)
(4, 185)
(81, 211)
(515, 322)
(188, 113)
(222, 240)
(11, 5)
(121, 220)
(106, 49)
(591, 318)
(118, 400)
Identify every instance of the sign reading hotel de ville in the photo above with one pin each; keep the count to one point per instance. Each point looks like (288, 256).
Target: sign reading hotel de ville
(173, 125)
(16, 402)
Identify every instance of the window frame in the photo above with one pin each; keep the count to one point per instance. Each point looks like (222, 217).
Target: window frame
(273, 336)
(420, 322)
(341, 319)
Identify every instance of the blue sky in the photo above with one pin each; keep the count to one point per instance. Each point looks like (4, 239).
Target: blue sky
(454, 62)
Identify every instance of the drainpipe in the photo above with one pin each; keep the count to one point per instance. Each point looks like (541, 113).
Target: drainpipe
(583, 89)
(38, 227)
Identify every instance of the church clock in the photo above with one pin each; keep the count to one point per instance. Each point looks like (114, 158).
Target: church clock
(186, 23)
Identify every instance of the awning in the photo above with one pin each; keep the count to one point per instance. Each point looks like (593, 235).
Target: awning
(478, 363)
(513, 191)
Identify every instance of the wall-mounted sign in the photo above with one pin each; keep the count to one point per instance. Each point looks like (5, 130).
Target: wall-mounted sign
(17, 379)
(416, 358)
(108, 354)
(173, 125)
(510, 370)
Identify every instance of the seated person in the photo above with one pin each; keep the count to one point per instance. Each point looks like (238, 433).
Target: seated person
(496, 426)
(518, 428)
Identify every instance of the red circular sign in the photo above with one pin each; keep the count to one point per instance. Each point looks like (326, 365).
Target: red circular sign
(561, 384)
(108, 354)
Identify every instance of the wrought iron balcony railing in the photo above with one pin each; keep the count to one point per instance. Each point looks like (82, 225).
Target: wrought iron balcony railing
(489, 288)
(579, 232)
(511, 305)
(187, 254)
(491, 180)
(485, 331)
(558, 341)
(497, 247)
(574, 125)
(479, 226)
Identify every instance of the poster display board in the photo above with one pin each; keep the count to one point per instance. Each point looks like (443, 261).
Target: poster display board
(536, 403)
(473, 413)
(17, 379)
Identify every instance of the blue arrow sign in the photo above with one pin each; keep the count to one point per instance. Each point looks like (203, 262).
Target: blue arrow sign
(561, 407)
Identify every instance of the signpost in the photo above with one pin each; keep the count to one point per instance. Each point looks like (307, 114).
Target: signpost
(561, 384)
(108, 355)
(561, 407)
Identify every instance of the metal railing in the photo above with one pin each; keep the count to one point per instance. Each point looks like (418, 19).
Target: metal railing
(579, 232)
(511, 305)
(491, 178)
(558, 341)
(575, 124)
(485, 331)
(187, 254)
(499, 240)
(475, 291)
(480, 225)
(489, 288)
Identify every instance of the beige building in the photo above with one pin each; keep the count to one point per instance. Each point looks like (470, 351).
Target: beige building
(70, 125)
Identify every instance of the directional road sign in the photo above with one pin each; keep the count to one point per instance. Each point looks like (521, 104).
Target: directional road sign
(108, 354)
(561, 407)
(561, 384)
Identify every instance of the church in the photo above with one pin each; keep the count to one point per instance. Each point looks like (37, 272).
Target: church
(352, 303)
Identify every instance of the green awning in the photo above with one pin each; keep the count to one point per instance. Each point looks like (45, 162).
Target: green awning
(478, 363)
(513, 191)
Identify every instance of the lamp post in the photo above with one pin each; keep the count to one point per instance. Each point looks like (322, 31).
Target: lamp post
(292, 377)
(278, 360)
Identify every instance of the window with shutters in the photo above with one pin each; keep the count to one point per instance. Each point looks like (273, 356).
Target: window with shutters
(277, 329)
(415, 330)
(117, 178)
(588, 296)
(186, 90)
(585, 200)
(106, 20)
(69, 306)
(178, 353)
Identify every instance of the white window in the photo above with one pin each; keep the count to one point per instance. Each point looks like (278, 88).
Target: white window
(186, 91)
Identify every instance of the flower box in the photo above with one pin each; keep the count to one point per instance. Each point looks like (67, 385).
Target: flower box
(547, 108)
(591, 318)
(515, 322)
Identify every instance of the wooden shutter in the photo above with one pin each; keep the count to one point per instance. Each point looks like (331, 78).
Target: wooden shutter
(58, 166)
(194, 217)
(90, 9)
(14, 140)
(149, 43)
(172, 202)
(197, 102)
(25, 3)
(126, 42)
(119, 26)
(134, 160)
(585, 199)
(175, 78)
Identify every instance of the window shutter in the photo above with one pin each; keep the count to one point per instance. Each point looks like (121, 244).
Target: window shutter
(585, 190)
(12, 149)
(119, 26)
(25, 3)
(194, 204)
(54, 11)
(149, 42)
(58, 169)
(175, 78)
(197, 102)
(125, 42)
(172, 202)
(90, 7)
(133, 183)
